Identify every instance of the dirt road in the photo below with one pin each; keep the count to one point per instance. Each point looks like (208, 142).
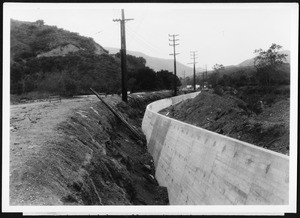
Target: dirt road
(31, 127)
(74, 152)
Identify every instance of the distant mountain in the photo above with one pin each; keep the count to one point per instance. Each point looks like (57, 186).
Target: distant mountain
(250, 62)
(158, 64)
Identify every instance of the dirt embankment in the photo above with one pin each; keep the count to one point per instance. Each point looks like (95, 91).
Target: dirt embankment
(76, 152)
(263, 122)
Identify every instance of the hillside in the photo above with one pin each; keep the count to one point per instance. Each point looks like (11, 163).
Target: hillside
(243, 73)
(35, 39)
(250, 62)
(158, 64)
(49, 60)
(239, 75)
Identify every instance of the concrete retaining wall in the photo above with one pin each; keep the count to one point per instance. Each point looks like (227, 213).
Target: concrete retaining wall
(201, 167)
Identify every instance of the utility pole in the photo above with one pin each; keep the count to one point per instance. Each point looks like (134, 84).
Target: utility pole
(203, 78)
(123, 55)
(173, 39)
(206, 75)
(194, 63)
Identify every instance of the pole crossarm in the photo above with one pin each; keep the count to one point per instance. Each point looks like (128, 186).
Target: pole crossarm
(175, 54)
(118, 20)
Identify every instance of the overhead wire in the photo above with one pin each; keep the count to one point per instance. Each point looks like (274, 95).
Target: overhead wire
(139, 24)
(109, 26)
(133, 34)
(145, 45)
(144, 42)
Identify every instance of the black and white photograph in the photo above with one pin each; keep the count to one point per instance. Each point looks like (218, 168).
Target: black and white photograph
(150, 108)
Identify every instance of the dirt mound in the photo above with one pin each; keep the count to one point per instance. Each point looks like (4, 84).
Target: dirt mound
(231, 116)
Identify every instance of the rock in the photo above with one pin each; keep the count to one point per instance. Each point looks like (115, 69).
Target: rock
(150, 178)
(147, 167)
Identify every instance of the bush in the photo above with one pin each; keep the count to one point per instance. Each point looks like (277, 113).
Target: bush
(218, 90)
(70, 87)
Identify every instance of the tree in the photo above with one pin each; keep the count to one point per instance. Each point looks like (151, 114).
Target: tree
(146, 79)
(225, 80)
(40, 22)
(214, 78)
(267, 64)
(188, 81)
(131, 84)
(165, 80)
(218, 68)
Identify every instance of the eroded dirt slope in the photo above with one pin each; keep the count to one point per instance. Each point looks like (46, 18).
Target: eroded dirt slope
(231, 116)
(76, 152)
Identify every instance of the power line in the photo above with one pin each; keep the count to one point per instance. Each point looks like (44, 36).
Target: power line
(140, 22)
(151, 47)
(141, 41)
(105, 28)
(173, 39)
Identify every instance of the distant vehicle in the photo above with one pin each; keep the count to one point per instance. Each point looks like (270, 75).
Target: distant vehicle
(189, 87)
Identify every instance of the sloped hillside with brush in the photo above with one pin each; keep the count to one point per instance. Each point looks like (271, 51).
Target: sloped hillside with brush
(48, 59)
(31, 39)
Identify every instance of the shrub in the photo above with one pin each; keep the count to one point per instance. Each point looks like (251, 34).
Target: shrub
(218, 90)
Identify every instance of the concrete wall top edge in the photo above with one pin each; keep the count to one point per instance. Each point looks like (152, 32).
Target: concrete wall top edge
(168, 102)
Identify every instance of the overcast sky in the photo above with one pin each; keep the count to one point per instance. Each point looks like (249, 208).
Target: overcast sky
(221, 33)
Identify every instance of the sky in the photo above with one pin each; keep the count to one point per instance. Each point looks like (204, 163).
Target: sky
(220, 33)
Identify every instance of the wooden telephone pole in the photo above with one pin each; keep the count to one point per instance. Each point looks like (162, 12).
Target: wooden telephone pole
(123, 55)
(194, 63)
(206, 75)
(174, 54)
